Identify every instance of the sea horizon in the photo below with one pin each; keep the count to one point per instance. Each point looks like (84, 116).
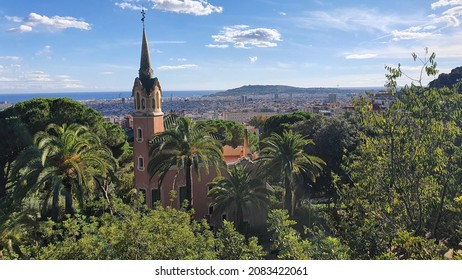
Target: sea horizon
(13, 98)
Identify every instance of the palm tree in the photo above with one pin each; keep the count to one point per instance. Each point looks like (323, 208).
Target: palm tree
(238, 191)
(63, 162)
(187, 146)
(285, 154)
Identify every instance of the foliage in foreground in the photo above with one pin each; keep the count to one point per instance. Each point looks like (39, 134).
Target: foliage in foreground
(133, 233)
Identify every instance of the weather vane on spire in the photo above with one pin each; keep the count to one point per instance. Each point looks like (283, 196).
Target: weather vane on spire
(143, 15)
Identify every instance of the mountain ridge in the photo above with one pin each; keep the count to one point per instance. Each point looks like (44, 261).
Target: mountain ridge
(281, 89)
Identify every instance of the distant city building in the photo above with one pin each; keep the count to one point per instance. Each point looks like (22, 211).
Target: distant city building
(5, 105)
(382, 100)
(332, 98)
(244, 117)
(243, 99)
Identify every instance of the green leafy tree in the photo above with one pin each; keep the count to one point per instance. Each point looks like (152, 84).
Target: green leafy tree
(64, 162)
(36, 114)
(285, 155)
(258, 122)
(187, 146)
(406, 172)
(231, 245)
(286, 241)
(334, 138)
(13, 138)
(231, 133)
(327, 247)
(279, 123)
(238, 191)
(132, 233)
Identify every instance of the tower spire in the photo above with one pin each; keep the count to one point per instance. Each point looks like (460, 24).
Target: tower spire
(145, 72)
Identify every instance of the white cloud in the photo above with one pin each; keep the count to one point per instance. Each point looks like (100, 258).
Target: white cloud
(444, 3)
(353, 19)
(361, 56)
(282, 14)
(21, 29)
(220, 46)
(45, 52)
(451, 17)
(106, 73)
(253, 59)
(37, 81)
(38, 76)
(10, 57)
(193, 7)
(34, 20)
(13, 19)
(5, 80)
(409, 34)
(242, 36)
(129, 6)
(177, 67)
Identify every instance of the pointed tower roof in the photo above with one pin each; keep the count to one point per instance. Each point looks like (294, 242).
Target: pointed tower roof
(145, 71)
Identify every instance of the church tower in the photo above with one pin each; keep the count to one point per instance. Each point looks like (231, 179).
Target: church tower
(148, 119)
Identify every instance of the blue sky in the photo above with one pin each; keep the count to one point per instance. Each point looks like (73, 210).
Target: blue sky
(88, 45)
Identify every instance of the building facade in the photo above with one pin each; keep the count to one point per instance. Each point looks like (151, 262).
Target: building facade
(148, 120)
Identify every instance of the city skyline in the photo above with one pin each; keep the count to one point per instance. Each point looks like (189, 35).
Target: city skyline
(60, 46)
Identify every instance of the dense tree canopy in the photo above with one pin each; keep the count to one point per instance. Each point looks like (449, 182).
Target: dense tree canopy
(284, 156)
(278, 123)
(240, 190)
(395, 174)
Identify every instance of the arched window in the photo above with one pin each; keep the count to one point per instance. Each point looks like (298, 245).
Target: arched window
(153, 103)
(143, 104)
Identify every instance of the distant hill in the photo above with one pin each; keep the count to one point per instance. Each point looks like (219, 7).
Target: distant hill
(448, 80)
(279, 89)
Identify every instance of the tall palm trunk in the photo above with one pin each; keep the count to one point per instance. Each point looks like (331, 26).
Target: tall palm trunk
(288, 196)
(68, 201)
(55, 206)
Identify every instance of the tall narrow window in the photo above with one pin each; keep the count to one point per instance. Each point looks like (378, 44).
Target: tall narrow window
(137, 101)
(143, 103)
(139, 134)
(141, 163)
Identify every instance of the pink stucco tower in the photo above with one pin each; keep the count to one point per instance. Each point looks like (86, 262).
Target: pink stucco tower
(148, 119)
